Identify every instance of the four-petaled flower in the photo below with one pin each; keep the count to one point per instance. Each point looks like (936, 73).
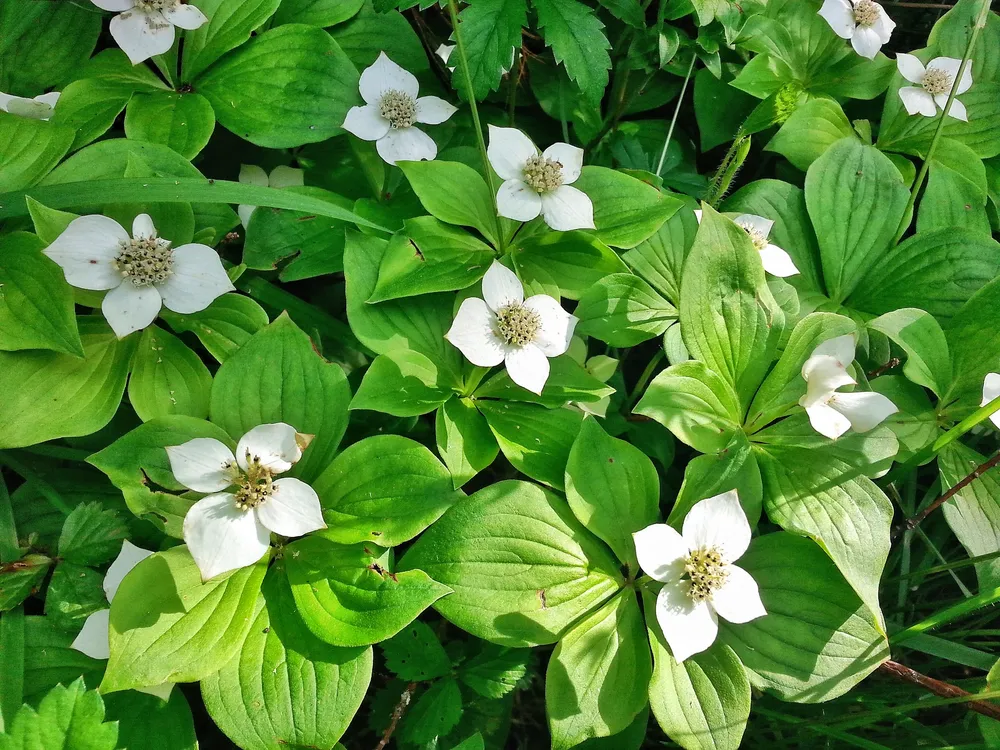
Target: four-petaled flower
(831, 413)
(392, 109)
(280, 177)
(506, 327)
(991, 390)
(934, 84)
(864, 22)
(700, 581)
(145, 28)
(229, 530)
(39, 108)
(539, 183)
(775, 260)
(142, 271)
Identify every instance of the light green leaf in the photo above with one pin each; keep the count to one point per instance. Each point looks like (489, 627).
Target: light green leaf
(920, 336)
(810, 131)
(167, 378)
(184, 122)
(403, 383)
(974, 512)
(68, 718)
(31, 149)
(623, 310)
(491, 31)
(92, 535)
(90, 107)
(659, 259)
(222, 327)
(320, 13)
(572, 260)
(974, 342)
(627, 210)
(49, 223)
(956, 191)
(230, 23)
(464, 439)
(568, 381)
(577, 40)
(451, 191)
(732, 468)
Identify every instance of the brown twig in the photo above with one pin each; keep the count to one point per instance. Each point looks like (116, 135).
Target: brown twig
(894, 362)
(912, 523)
(939, 688)
(397, 714)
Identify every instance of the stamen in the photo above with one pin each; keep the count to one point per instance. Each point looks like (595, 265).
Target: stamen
(866, 13)
(517, 325)
(398, 108)
(149, 6)
(543, 174)
(937, 81)
(256, 485)
(758, 238)
(145, 261)
(706, 571)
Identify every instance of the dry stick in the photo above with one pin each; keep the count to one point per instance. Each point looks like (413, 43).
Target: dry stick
(939, 688)
(397, 714)
(912, 523)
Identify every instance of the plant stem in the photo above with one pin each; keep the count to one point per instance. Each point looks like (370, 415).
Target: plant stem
(397, 714)
(513, 79)
(912, 523)
(9, 548)
(45, 489)
(673, 120)
(939, 688)
(644, 379)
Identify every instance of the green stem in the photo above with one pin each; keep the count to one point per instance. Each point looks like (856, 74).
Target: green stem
(32, 479)
(673, 120)
(10, 550)
(937, 553)
(644, 379)
(949, 614)
(512, 80)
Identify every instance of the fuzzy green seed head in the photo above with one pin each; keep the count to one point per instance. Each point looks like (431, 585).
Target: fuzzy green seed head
(517, 325)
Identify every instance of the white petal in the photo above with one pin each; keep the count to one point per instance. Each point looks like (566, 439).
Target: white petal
(444, 51)
(293, 509)
(528, 367)
(92, 639)
(202, 464)
(129, 308)
(910, 68)
(432, 110)
(282, 177)
(142, 227)
(366, 123)
(185, 16)
(128, 558)
(197, 279)
(566, 208)
(866, 41)
(406, 144)
(841, 348)
(777, 262)
(384, 75)
(718, 522)
(86, 251)
(221, 537)
(51, 98)
(275, 445)
(245, 212)
(689, 628)
(30, 108)
(142, 35)
(758, 223)
(114, 5)
(823, 375)
(661, 551)
(472, 334)
(508, 151)
(570, 157)
(917, 101)
(251, 174)
(697, 214)
(5, 100)
(161, 691)
(827, 421)
(884, 25)
(864, 410)
(738, 601)
(840, 15)
(501, 287)
(557, 325)
(951, 66)
(991, 389)
(956, 110)
(518, 201)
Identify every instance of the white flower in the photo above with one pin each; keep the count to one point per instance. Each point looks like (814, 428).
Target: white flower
(864, 22)
(390, 111)
(539, 183)
(506, 327)
(696, 567)
(280, 177)
(39, 108)
(93, 638)
(145, 28)
(444, 52)
(831, 413)
(228, 530)
(775, 260)
(991, 390)
(141, 271)
(934, 84)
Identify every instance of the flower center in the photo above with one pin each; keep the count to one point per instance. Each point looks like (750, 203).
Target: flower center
(517, 325)
(937, 81)
(256, 485)
(542, 174)
(398, 108)
(148, 6)
(706, 571)
(757, 237)
(865, 13)
(145, 261)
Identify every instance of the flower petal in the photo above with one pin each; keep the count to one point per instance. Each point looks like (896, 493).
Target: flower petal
(114, 5)
(282, 177)
(738, 600)
(518, 201)
(718, 522)
(528, 367)
(566, 208)
(292, 510)
(472, 334)
(883, 25)
(92, 639)
(86, 251)
(777, 262)
(557, 325)
(197, 279)
(384, 75)
(129, 308)
(956, 110)
(128, 558)
(142, 35)
(570, 157)
(755, 222)
(841, 348)
(509, 149)
(161, 691)
(366, 123)
(432, 110)
(202, 464)
(142, 227)
(688, 627)
(406, 144)
(275, 445)
(245, 212)
(864, 410)
(951, 65)
(866, 42)
(185, 16)
(221, 537)
(827, 421)
(991, 389)
(823, 375)
(840, 15)
(910, 67)
(917, 101)
(661, 551)
(501, 287)
(251, 174)
(31, 108)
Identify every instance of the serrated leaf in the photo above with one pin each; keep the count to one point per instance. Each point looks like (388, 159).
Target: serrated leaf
(577, 40)
(74, 593)
(18, 578)
(496, 670)
(415, 654)
(68, 718)
(49, 658)
(92, 535)
(434, 713)
(491, 31)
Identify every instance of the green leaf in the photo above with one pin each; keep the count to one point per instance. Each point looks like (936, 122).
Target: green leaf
(320, 13)
(49, 223)
(496, 670)
(577, 40)
(19, 578)
(491, 31)
(80, 395)
(31, 149)
(612, 488)
(348, 596)
(733, 468)
(464, 439)
(285, 686)
(659, 259)
(818, 640)
(810, 131)
(167, 378)
(49, 659)
(956, 191)
(168, 626)
(297, 386)
(434, 713)
(74, 593)
(230, 24)
(385, 489)
(521, 567)
(286, 87)
(92, 535)
(184, 122)
(36, 306)
(68, 718)
(403, 383)
(568, 381)
(974, 340)
(920, 336)
(595, 684)
(222, 327)
(974, 512)
(720, 108)
(148, 721)
(451, 191)
(623, 310)
(572, 260)
(369, 33)
(627, 211)
(415, 654)
(90, 107)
